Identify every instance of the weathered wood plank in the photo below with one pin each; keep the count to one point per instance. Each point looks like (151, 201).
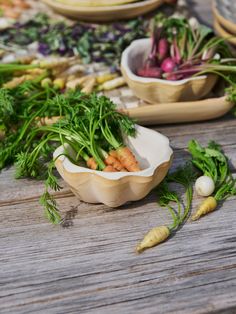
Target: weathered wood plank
(87, 275)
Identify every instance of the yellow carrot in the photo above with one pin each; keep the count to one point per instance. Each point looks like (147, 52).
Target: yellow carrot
(36, 71)
(154, 237)
(89, 85)
(46, 82)
(73, 84)
(51, 63)
(47, 121)
(18, 80)
(59, 83)
(112, 84)
(206, 207)
(102, 78)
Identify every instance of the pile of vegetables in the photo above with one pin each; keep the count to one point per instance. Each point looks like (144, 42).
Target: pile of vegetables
(62, 73)
(180, 50)
(93, 43)
(216, 183)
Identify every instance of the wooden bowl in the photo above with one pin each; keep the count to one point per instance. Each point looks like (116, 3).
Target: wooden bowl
(225, 13)
(158, 90)
(105, 13)
(94, 3)
(116, 188)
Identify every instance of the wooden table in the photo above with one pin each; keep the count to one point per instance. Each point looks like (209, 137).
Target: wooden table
(91, 266)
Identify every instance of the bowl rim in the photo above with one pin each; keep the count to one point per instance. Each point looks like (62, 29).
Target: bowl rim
(145, 80)
(145, 173)
(101, 9)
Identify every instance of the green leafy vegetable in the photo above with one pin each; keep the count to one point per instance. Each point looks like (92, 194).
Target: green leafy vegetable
(212, 162)
(183, 176)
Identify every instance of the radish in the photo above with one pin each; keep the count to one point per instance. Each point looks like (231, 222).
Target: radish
(168, 65)
(150, 72)
(204, 186)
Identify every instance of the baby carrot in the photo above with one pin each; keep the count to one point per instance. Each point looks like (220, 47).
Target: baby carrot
(109, 169)
(105, 77)
(91, 163)
(46, 82)
(206, 207)
(59, 83)
(154, 237)
(127, 159)
(112, 161)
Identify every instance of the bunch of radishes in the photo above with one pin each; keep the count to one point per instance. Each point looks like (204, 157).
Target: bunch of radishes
(179, 50)
(163, 58)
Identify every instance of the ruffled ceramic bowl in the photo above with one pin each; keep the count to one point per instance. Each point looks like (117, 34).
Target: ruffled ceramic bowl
(155, 90)
(154, 154)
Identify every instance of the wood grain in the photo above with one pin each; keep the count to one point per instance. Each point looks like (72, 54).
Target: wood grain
(88, 264)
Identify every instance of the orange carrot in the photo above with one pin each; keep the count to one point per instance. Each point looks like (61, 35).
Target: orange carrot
(91, 163)
(113, 153)
(127, 159)
(112, 161)
(109, 169)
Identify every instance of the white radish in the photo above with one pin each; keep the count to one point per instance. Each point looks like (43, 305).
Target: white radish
(204, 186)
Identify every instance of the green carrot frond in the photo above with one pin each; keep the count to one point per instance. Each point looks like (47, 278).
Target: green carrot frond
(52, 180)
(26, 166)
(7, 110)
(166, 195)
(50, 208)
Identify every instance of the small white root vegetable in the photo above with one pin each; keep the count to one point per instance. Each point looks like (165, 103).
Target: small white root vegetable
(204, 186)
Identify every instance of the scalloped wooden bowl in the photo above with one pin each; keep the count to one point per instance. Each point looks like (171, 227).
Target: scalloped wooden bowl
(154, 154)
(155, 90)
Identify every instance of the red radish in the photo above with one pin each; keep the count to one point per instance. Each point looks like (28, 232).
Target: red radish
(168, 65)
(173, 77)
(162, 49)
(150, 72)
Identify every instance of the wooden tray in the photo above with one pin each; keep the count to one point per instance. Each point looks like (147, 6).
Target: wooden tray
(200, 110)
(225, 13)
(105, 13)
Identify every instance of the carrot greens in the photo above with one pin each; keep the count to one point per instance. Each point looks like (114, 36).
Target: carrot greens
(88, 125)
(212, 162)
(168, 198)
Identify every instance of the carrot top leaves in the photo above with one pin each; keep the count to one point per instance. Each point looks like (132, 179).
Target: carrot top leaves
(183, 176)
(89, 126)
(212, 161)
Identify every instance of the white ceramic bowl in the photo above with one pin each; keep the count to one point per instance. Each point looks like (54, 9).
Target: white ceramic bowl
(155, 90)
(154, 154)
